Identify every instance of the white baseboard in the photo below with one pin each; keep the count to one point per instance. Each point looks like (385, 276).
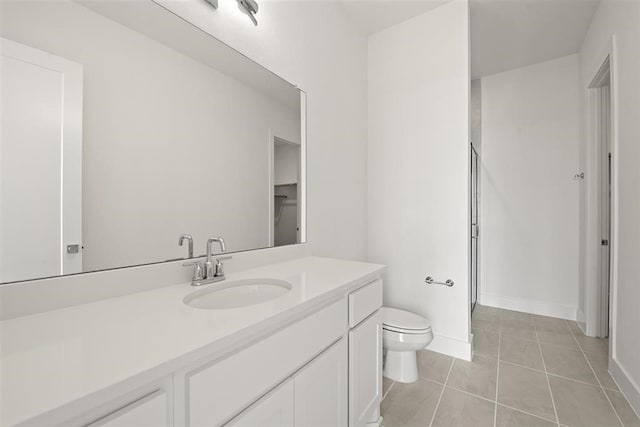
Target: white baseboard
(581, 320)
(542, 308)
(626, 385)
(452, 347)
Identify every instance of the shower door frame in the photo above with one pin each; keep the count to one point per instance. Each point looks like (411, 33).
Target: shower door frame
(474, 225)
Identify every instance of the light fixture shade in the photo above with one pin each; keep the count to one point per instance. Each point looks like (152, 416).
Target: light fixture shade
(213, 3)
(250, 8)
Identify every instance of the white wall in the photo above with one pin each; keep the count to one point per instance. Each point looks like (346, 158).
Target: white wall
(622, 19)
(529, 201)
(476, 113)
(153, 169)
(418, 168)
(313, 45)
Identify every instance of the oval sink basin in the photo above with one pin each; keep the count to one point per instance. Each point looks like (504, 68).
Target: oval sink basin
(237, 293)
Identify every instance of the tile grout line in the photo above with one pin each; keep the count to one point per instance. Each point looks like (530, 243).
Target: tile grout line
(528, 413)
(551, 374)
(435, 411)
(388, 390)
(546, 375)
(470, 394)
(495, 409)
(606, 396)
(499, 404)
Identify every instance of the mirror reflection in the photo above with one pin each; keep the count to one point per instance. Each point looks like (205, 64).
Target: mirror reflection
(124, 128)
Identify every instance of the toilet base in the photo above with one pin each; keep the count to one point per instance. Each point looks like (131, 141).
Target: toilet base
(401, 366)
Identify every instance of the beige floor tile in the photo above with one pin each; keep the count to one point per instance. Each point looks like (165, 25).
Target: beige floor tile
(477, 377)
(521, 352)
(550, 324)
(386, 384)
(581, 405)
(525, 389)
(593, 345)
(486, 310)
(484, 325)
(518, 329)
(486, 343)
(434, 366)
(567, 362)
(624, 410)
(564, 339)
(487, 321)
(573, 326)
(600, 364)
(461, 409)
(507, 417)
(410, 405)
(516, 315)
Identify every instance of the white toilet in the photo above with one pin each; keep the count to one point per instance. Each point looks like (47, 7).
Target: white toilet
(403, 333)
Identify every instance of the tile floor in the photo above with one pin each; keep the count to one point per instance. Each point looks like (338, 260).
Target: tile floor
(527, 371)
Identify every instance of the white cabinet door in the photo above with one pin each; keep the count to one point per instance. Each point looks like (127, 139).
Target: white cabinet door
(273, 410)
(365, 370)
(150, 411)
(321, 390)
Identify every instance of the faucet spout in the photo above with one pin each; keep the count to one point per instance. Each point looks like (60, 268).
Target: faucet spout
(210, 242)
(188, 238)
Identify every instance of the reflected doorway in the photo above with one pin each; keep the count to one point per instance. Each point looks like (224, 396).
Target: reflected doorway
(285, 190)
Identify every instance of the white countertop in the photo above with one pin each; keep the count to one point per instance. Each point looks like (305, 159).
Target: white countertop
(54, 358)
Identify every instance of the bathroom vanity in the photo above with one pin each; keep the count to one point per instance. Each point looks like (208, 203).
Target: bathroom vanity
(311, 356)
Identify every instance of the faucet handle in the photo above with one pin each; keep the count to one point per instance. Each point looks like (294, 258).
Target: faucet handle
(218, 269)
(198, 273)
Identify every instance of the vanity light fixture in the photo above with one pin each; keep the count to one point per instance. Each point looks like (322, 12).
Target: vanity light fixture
(250, 8)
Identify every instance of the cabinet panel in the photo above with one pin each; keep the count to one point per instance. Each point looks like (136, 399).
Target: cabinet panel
(150, 411)
(321, 389)
(365, 370)
(216, 392)
(273, 410)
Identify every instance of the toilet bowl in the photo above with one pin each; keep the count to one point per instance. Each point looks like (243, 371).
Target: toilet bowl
(403, 334)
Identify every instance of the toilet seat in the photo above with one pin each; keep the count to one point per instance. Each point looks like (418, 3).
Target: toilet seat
(404, 322)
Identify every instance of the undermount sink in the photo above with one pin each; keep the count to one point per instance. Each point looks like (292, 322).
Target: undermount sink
(237, 293)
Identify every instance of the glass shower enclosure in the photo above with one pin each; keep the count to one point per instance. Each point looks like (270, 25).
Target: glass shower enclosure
(475, 227)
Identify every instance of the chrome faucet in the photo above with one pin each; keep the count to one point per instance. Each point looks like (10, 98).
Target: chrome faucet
(189, 238)
(211, 269)
(211, 272)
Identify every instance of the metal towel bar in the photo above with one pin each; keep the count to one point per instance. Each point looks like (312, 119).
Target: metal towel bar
(429, 281)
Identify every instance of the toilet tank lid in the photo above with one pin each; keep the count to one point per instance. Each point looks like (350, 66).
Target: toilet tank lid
(404, 319)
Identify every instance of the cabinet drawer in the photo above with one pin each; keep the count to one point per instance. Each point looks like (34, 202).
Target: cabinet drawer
(220, 390)
(364, 301)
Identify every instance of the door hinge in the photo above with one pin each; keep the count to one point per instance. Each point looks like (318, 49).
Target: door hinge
(605, 242)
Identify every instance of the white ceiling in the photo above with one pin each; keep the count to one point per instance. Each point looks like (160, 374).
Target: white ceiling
(371, 16)
(512, 34)
(505, 34)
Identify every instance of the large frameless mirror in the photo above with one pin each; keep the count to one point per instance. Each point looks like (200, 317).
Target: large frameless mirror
(124, 127)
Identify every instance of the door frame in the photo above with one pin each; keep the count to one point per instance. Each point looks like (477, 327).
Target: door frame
(273, 140)
(595, 295)
(302, 174)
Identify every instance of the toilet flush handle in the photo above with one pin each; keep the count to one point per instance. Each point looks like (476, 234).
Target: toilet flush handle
(429, 281)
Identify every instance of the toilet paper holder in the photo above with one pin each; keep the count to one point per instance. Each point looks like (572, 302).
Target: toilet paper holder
(429, 281)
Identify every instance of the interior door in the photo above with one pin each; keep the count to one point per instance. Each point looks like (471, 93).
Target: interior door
(40, 204)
